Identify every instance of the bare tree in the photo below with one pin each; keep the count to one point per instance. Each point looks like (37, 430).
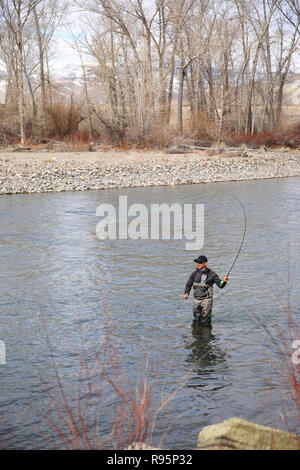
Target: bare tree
(221, 63)
(47, 15)
(16, 14)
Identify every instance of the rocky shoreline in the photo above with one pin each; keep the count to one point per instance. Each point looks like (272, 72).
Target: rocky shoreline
(238, 434)
(38, 172)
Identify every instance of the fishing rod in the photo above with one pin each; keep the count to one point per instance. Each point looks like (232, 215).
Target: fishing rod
(244, 232)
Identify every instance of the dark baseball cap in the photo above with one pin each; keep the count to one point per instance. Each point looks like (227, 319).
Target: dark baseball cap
(201, 259)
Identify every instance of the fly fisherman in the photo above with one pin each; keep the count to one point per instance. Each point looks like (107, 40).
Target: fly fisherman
(202, 281)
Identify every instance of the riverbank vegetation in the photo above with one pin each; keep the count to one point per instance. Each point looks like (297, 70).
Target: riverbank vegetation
(286, 341)
(152, 73)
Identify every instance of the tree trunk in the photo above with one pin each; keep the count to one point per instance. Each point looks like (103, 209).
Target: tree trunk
(180, 99)
(42, 73)
(21, 83)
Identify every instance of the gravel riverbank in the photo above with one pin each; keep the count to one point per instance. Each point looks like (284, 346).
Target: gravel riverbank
(42, 172)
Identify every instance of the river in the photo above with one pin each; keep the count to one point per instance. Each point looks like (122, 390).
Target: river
(60, 285)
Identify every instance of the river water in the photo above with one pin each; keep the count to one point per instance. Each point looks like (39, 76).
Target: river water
(60, 285)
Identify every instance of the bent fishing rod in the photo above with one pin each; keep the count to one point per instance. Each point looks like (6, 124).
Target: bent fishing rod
(244, 232)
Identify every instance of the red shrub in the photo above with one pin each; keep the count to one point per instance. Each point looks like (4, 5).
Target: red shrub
(289, 138)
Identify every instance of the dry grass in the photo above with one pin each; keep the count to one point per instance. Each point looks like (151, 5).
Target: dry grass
(108, 408)
(285, 368)
(67, 124)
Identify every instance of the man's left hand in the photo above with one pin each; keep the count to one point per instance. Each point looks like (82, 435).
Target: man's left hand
(226, 278)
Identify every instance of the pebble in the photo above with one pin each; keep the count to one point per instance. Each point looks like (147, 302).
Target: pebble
(61, 175)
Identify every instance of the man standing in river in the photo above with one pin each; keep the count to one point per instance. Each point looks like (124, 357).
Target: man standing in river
(202, 281)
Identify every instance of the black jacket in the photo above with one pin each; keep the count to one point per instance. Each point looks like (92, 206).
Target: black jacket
(203, 287)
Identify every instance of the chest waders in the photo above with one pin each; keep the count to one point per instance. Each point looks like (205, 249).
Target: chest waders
(203, 300)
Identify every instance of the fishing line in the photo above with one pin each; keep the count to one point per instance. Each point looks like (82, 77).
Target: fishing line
(245, 221)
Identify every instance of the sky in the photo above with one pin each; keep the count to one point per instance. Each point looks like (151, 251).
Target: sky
(66, 58)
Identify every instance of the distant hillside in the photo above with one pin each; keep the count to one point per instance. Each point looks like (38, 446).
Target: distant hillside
(292, 90)
(68, 82)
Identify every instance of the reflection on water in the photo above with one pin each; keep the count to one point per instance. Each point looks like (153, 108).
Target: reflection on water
(203, 347)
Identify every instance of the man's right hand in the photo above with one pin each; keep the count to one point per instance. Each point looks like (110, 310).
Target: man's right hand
(186, 296)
